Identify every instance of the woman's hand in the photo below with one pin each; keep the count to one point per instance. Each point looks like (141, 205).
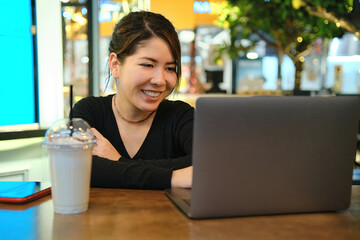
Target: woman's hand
(182, 178)
(103, 148)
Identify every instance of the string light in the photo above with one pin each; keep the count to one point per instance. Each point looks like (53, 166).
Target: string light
(252, 55)
(78, 18)
(296, 4)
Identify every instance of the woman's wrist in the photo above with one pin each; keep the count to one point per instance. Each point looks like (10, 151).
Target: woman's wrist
(182, 178)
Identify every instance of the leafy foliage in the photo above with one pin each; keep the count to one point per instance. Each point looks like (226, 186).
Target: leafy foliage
(285, 25)
(345, 14)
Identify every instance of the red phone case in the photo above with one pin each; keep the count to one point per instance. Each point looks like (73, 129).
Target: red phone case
(26, 199)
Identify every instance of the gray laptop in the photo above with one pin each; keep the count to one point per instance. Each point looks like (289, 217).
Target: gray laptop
(271, 155)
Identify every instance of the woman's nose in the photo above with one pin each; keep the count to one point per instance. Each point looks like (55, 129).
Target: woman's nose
(158, 77)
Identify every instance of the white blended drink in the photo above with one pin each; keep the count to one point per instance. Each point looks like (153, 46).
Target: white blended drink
(69, 147)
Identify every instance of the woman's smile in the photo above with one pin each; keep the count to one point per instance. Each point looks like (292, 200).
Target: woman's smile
(153, 94)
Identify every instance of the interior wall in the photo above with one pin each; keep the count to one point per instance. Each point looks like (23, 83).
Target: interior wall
(181, 13)
(50, 61)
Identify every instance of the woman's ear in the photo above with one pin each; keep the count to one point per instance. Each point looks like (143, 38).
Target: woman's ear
(114, 65)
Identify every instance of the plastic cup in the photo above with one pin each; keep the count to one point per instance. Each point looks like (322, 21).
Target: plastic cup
(69, 144)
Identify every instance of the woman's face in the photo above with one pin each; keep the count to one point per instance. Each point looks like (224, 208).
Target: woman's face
(145, 78)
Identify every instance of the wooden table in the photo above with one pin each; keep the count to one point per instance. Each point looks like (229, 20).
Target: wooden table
(143, 214)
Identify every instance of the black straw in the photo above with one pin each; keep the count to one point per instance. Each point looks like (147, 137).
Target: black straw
(71, 117)
(71, 101)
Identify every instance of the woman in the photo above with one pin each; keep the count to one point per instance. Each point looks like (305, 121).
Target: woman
(143, 140)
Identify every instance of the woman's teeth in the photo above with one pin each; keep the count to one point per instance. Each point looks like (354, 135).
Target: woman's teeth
(152, 94)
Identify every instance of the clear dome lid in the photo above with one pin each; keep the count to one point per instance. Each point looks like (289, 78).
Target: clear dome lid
(66, 131)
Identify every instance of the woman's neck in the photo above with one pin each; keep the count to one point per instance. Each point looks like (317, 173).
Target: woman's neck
(129, 116)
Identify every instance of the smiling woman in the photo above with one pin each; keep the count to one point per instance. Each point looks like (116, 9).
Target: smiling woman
(143, 139)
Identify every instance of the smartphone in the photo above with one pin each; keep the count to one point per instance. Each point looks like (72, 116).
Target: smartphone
(22, 192)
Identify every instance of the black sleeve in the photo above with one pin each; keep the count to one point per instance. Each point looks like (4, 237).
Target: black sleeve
(174, 163)
(128, 174)
(90, 110)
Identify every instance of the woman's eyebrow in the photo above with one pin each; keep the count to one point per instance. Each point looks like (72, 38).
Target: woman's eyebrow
(154, 60)
(149, 58)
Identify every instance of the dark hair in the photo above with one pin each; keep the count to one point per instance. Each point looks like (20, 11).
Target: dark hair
(137, 27)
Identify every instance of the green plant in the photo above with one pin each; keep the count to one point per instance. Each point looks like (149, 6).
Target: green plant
(345, 14)
(285, 25)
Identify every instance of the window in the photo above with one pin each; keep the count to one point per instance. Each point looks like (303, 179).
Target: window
(18, 93)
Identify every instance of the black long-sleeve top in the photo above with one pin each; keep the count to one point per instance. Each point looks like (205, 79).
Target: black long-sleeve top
(167, 146)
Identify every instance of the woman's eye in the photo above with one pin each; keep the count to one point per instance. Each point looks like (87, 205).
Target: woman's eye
(172, 69)
(146, 65)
